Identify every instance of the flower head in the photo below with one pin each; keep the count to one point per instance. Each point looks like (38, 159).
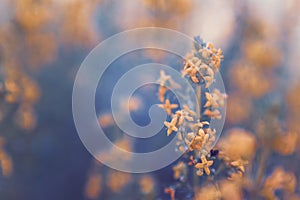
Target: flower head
(171, 126)
(215, 99)
(215, 114)
(168, 106)
(240, 164)
(199, 140)
(204, 165)
(163, 78)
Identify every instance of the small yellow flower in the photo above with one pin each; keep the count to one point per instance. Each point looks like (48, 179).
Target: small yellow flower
(193, 74)
(198, 125)
(239, 164)
(210, 45)
(163, 78)
(204, 165)
(179, 170)
(191, 62)
(182, 115)
(212, 137)
(189, 139)
(205, 53)
(215, 99)
(168, 106)
(215, 114)
(191, 68)
(171, 126)
(207, 74)
(199, 140)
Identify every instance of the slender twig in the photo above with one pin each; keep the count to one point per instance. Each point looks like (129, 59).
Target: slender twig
(261, 170)
(198, 106)
(198, 115)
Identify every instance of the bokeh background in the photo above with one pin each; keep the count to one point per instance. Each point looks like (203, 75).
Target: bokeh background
(43, 42)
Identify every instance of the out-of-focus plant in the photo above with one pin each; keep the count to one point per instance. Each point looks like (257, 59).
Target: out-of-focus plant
(166, 13)
(30, 40)
(32, 37)
(5, 160)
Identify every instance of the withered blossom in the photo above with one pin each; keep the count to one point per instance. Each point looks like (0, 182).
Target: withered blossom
(215, 99)
(168, 106)
(204, 67)
(171, 126)
(199, 140)
(204, 165)
(215, 114)
(163, 78)
(240, 164)
(182, 115)
(179, 170)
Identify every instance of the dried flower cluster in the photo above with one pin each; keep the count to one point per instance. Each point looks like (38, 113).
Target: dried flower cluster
(203, 62)
(191, 121)
(258, 154)
(194, 134)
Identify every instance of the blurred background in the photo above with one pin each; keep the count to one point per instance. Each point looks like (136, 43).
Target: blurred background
(43, 43)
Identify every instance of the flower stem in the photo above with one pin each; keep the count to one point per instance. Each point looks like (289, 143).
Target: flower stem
(260, 171)
(198, 115)
(198, 106)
